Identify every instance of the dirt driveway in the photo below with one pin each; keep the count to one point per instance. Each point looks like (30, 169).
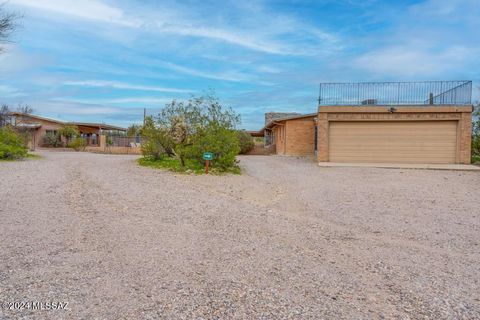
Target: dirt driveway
(287, 239)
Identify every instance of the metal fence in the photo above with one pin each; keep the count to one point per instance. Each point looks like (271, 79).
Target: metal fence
(396, 93)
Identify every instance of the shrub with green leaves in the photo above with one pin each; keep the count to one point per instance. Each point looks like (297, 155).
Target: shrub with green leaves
(185, 130)
(78, 144)
(156, 142)
(221, 141)
(246, 141)
(133, 130)
(476, 140)
(68, 131)
(52, 140)
(11, 144)
(186, 121)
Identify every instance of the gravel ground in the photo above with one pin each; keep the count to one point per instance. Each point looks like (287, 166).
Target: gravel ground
(286, 239)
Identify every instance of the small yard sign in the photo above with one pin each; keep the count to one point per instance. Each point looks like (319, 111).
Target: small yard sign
(207, 156)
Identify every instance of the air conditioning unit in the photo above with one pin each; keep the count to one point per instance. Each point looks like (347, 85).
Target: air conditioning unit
(368, 102)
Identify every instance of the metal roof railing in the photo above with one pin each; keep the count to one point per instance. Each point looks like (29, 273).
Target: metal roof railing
(396, 93)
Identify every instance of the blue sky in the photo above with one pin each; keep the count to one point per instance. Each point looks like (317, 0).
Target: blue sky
(106, 60)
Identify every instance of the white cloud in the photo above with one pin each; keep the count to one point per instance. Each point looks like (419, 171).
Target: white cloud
(121, 85)
(139, 100)
(264, 34)
(126, 100)
(226, 76)
(414, 61)
(7, 91)
(231, 37)
(68, 108)
(268, 69)
(85, 9)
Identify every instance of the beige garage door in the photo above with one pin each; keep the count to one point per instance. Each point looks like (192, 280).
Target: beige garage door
(393, 141)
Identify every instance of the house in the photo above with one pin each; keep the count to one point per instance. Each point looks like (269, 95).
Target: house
(40, 126)
(389, 122)
(292, 135)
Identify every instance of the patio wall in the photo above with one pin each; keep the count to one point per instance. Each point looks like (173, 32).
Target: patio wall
(103, 148)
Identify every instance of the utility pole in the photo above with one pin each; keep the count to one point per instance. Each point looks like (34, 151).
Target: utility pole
(144, 115)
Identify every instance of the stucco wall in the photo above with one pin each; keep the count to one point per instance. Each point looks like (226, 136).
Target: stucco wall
(103, 148)
(462, 114)
(38, 134)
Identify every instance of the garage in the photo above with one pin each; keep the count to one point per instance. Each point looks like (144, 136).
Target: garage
(404, 134)
(393, 141)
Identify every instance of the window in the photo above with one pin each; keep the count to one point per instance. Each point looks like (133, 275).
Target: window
(51, 132)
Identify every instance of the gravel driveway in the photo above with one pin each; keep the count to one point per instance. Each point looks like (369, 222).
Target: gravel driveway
(286, 239)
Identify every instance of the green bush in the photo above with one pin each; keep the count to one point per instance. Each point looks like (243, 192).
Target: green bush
(133, 130)
(246, 141)
(476, 146)
(222, 142)
(68, 131)
(78, 144)
(185, 130)
(187, 122)
(476, 136)
(156, 142)
(52, 140)
(11, 144)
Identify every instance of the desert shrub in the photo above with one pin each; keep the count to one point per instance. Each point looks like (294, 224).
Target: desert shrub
(245, 141)
(11, 144)
(185, 130)
(133, 130)
(77, 143)
(221, 141)
(68, 131)
(52, 140)
(156, 142)
(193, 123)
(476, 140)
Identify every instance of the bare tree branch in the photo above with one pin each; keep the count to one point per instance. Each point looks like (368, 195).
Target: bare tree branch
(27, 109)
(8, 24)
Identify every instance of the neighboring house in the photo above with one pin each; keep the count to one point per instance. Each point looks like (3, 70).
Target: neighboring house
(40, 126)
(394, 122)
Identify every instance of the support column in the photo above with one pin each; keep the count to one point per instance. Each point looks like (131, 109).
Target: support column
(465, 131)
(322, 137)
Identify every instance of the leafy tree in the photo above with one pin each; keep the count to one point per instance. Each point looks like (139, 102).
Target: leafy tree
(156, 141)
(52, 140)
(77, 144)
(476, 134)
(187, 129)
(11, 144)
(68, 131)
(4, 115)
(246, 141)
(185, 121)
(221, 141)
(133, 130)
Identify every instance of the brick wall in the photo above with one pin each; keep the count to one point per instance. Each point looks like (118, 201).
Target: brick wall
(279, 133)
(300, 136)
(462, 114)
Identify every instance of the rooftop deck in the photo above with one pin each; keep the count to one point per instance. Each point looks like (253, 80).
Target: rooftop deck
(396, 93)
